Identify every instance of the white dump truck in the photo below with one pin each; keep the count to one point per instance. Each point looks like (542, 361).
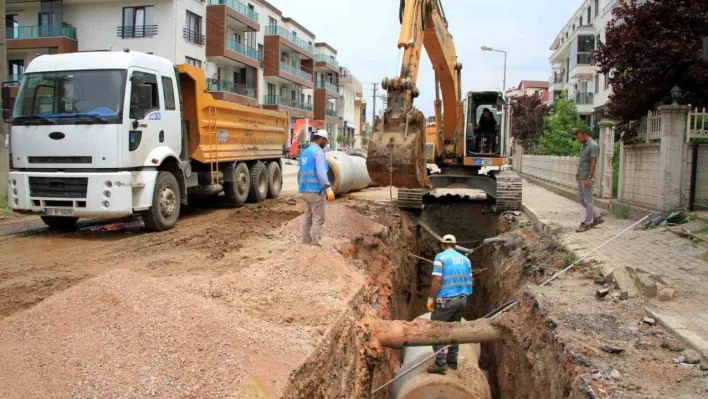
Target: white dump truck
(110, 134)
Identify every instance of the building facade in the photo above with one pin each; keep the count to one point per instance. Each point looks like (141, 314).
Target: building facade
(350, 90)
(572, 60)
(250, 52)
(529, 88)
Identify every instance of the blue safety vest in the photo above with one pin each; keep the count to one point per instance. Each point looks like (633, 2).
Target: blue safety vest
(308, 181)
(456, 272)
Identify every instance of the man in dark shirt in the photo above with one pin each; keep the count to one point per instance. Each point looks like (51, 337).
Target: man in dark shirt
(487, 128)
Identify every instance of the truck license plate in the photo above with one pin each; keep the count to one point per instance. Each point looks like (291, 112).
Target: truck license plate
(59, 212)
(481, 161)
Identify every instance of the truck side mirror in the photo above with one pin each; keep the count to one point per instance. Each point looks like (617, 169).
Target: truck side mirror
(5, 97)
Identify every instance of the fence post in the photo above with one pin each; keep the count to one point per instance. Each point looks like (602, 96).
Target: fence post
(672, 153)
(518, 158)
(607, 154)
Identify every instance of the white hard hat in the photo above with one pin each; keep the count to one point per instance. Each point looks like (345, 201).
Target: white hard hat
(322, 133)
(449, 239)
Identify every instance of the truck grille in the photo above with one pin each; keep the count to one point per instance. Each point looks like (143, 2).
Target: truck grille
(58, 187)
(59, 160)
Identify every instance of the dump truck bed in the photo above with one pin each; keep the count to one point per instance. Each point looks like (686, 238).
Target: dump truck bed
(221, 131)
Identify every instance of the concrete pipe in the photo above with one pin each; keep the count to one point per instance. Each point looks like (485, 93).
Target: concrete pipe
(347, 173)
(468, 382)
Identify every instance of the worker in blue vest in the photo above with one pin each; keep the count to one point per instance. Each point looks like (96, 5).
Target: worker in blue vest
(314, 186)
(451, 286)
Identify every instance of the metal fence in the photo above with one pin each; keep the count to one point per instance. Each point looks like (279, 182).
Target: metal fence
(697, 124)
(650, 127)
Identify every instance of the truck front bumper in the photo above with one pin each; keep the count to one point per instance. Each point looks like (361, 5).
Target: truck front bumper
(72, 194)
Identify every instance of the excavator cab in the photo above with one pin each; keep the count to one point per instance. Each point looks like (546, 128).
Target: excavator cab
(485, 125)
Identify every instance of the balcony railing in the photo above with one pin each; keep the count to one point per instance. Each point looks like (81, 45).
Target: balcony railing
(35, 32)
(584, 98)
(194, 37)
(295, 71)
(280, 31)
(326, 85)
(231, 87)
(332, 113)
(137, 31)
(236, 5)
(250, 52)
(556, 78)
(585, 59)
(285, 101)
(326, 58)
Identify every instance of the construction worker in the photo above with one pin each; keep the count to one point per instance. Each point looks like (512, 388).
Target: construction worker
(314, 186)
(589, 152)
(451, 286)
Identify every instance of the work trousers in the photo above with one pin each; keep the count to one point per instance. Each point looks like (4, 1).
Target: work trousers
(314, 218)
(585, 199)
(452, 310)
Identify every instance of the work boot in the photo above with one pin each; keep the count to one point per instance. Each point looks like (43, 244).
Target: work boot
(452, 365)
(597, 221)
(435, 369)
(583, 228)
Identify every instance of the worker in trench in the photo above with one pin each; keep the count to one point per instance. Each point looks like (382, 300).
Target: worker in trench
(314, 186)
(451, 286)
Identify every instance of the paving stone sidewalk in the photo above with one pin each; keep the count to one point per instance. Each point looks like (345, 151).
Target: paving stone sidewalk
(655, 251)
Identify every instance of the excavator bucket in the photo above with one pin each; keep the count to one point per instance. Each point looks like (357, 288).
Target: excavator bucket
(397, 153)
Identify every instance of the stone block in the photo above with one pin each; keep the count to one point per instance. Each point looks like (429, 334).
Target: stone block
(646, 285)
(666, 294)
(624, 281)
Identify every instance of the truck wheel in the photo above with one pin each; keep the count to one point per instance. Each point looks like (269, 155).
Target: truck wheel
(275, 180)
(60, 223)
(164, 212)
(259, 183)
(237, 191)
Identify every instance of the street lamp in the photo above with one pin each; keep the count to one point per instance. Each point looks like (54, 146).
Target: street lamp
(486, 48)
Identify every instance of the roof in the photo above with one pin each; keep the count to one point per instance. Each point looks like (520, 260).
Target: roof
(536, 84)
(289, 20)
(323, 44)
(100, 60)
(271, 7)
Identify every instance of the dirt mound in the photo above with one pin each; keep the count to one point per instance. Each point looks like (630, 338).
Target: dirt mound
(131, 336)
(341, 223)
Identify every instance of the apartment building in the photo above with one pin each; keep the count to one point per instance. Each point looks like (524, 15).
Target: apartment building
(529, 88)
(350, 89)
(251, 53)
(572, 60)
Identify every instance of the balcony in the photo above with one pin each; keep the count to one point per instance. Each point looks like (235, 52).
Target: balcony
(332, 113)
(327, 86)
(249, 52)
(238, 7)
(232, 92)
(584, 98)
(301, 45)
(327, 59)
(14, 79)
(582, 65)
(59, 37)
(194, 37)
(295, 71)
(287, 102)
(128, 32)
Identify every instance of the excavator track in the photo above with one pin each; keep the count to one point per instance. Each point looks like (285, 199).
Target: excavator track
(509, 191)
(411, 199)
(397, 153)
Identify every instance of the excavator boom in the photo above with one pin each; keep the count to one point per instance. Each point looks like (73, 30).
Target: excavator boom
(397, 147)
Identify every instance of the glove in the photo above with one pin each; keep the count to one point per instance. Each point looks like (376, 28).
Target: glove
(431, 305)
(330, 194)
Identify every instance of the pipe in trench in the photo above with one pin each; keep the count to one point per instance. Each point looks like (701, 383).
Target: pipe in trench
(347, 173)
(467, 382)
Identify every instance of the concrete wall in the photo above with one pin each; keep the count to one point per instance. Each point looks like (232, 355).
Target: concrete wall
(702, 174)
(557, 170)
(640, 174)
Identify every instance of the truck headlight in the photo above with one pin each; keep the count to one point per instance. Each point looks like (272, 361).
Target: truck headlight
(106, 204)
(107, 194)
(14, 191)
(108, 184)
(13, 182)
(17, 202)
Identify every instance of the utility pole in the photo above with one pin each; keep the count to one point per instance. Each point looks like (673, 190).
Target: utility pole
(4, 151)
(373, 106)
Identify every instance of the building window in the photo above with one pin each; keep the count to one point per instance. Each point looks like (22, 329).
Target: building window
(597, 7)
(597, 83)
(271, 89)
(589, 15)
(168, 91)
(193, 61)
(193, 30)
(138, 22)
(309, 99)
(607, 81)
(272, 21)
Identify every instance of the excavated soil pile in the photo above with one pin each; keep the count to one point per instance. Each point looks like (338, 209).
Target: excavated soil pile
(266, 329)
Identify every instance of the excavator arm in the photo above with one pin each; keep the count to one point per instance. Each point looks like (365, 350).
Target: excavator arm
(397, 147)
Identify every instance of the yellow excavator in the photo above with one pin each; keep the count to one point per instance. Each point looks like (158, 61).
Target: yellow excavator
(469, 134)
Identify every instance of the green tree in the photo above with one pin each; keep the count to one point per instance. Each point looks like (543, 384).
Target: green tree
(341, 139)
(559, 128)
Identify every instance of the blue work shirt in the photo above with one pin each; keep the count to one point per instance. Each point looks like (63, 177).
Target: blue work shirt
(456, 272)
(312, 177)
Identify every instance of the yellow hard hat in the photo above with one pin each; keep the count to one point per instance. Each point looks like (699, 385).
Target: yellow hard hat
(449, 239)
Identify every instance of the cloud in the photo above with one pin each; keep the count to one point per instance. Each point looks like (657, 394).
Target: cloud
(365, 33)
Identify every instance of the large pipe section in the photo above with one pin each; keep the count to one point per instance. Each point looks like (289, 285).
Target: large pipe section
(419, 384)
(347, 173)
(397, 334)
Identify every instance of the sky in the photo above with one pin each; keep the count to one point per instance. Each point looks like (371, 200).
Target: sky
(365, 34)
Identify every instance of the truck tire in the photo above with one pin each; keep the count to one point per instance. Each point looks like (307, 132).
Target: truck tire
(60, 223)
(275, 180)
(237, 190)
(166, 201)
(259, 183)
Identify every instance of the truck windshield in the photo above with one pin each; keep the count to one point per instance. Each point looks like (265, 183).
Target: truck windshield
(71, 96)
